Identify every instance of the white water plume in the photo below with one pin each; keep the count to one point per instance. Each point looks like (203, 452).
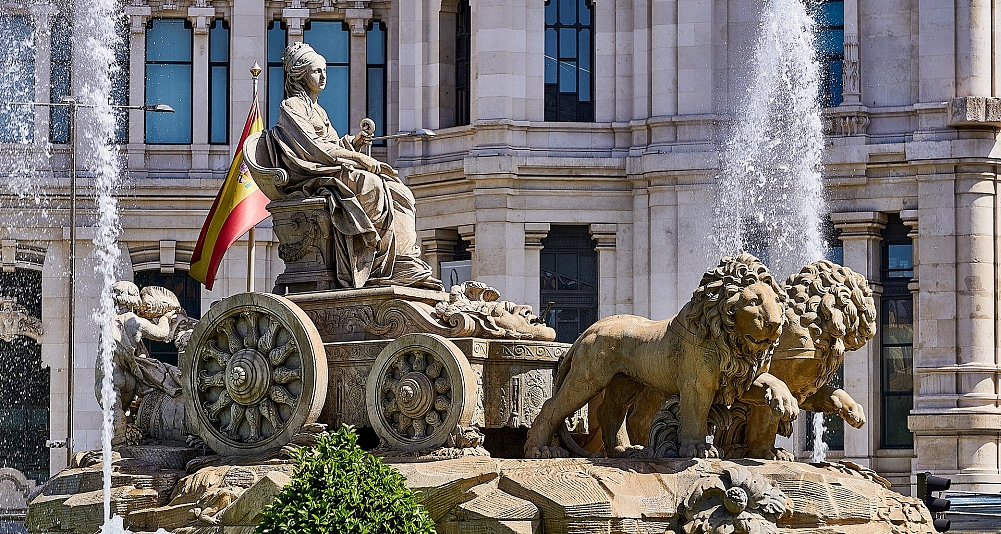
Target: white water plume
(94, 33)
(768, 192)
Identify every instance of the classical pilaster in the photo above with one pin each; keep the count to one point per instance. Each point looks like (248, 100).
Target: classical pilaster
(358, 19)
(138, 16)
(695, 56)
(201, 19)
(860, 238)
(605, 236)
(664, 47)
(244, 51)
(851, 93)
(468, 234)
(438, 245)
(534, 234)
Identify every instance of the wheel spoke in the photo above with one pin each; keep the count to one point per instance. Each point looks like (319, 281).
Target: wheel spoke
(211, 351)
(278, 355)
(282, 396)
(208, 380)
(270, 413)
(254, 422)
(250, 321)
(212, 410)
(284, 375)
(228, 327)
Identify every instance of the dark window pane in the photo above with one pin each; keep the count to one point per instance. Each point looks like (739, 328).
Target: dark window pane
(334, 98)
(831, 42)
(583, 13)
(899, 257)
(551, 12)
(898, 369)
(218, 105)
(835, 83)
(169, 84)
(831, 14)
(219, 42)
(895, 412)
(120, 81)
(376, 44)
(566, 264)
(568, 11)
(584, 50)
(568, 76)
(836, 255)
(568, 43)
(276, 41)
(276, 92)
(376, 101)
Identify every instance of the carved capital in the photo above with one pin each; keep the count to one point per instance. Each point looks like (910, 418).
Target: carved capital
(295, 19)
(534, 234)
(604, 234)
(358, 20)
(859, 224)
(138, 15)
(201, 18)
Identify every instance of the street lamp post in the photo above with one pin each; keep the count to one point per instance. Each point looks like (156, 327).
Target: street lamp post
(71, 103)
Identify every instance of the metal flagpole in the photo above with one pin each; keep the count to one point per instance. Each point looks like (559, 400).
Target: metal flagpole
(255, 71)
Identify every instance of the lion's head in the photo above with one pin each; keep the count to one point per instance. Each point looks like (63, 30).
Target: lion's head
(738, 308)
(831, 311)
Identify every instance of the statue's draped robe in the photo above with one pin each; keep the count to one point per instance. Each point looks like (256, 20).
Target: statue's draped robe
(373, 215)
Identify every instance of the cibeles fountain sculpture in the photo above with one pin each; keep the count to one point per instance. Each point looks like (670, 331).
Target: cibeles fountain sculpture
(365, 335)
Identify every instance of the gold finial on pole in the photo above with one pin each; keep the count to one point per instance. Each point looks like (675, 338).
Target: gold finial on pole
(255, 71)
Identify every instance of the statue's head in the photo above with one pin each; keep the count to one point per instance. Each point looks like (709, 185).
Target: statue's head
(299, 61)
(125, 295)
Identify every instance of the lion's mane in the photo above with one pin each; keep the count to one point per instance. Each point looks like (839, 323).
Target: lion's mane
(835, 303)
(711, 316)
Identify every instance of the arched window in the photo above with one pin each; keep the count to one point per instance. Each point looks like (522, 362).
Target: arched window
(569, 49)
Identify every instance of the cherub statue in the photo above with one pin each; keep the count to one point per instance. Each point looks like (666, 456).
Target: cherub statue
(151, 314)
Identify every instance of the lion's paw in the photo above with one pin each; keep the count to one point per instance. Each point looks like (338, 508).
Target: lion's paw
(771, 453)
(546, 452)
(697, 449)
(853, 414)
(630, 451)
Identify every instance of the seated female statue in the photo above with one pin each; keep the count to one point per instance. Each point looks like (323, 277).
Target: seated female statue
(372, 211)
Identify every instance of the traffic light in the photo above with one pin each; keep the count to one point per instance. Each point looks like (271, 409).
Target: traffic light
(928, 483)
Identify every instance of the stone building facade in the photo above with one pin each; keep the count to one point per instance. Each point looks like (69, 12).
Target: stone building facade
(576, 147)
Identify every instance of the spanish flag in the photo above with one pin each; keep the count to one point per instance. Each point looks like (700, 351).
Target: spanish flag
(238, 207)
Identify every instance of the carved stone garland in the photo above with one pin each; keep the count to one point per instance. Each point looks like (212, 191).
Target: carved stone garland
(255, 372)
(420, 389)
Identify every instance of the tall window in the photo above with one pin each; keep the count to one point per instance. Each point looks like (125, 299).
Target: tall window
(189, 294)
(168, 80)
(376, 67)
(830, 16)
(331, 38)
(569, 47)
(60, 80)
(24, 386)
(896, 331)
(276, 72)
(120, 81)
(463, 24)
(219, 82)
(17, 78)
(569, 279)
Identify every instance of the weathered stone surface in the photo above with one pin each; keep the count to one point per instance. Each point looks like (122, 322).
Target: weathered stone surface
(247, 509)
(160, 456)
(446, 484)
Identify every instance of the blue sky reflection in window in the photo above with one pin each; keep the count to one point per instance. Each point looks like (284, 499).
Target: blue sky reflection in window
(168, 80)
(330, 39)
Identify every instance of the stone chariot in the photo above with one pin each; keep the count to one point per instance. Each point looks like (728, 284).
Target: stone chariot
(422, 368)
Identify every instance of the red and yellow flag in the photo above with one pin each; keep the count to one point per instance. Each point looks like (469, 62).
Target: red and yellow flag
(238, 207)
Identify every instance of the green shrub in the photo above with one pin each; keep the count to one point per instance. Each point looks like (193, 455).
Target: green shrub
(339, 488)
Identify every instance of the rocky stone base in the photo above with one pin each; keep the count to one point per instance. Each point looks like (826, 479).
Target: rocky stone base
(487, 495)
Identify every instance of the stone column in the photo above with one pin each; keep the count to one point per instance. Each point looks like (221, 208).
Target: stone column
(860, 237)
(438, 245)
(201, 18)
(138, 16)
(605, 235)
(936, 50)
(974, 40)
(248, 44)
(358, 20)
(695, 57)
(534, 234)
(468, 234)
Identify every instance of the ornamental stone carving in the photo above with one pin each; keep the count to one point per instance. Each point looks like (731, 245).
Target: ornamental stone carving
(737, 502)
(16, 320)
(479, 304)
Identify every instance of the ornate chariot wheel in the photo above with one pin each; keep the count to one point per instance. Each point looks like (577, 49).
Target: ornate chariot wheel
(421, 387)
(254, 372)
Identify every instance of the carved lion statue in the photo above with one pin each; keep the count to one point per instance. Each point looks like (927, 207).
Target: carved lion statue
(830, 310)
(712, 351)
